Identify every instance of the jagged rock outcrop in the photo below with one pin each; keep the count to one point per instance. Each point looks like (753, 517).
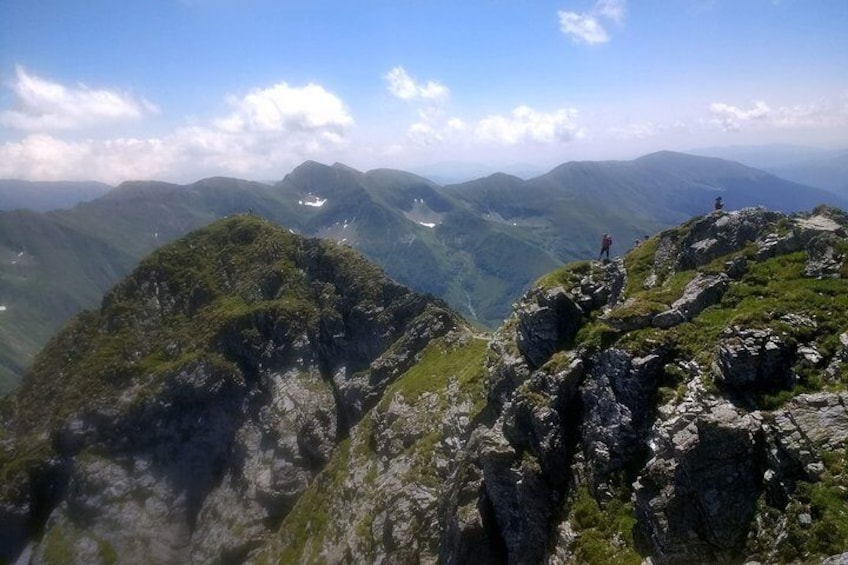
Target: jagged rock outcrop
(684, 404)
(617, 403)
(749, 358)
(675, 411)
(703, 291)
(190, 413)
(823, 261)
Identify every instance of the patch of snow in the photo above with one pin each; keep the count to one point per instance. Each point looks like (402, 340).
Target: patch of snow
(20, 253)
(14, 262)
(427, 224)
(313, 201)
(2, 308)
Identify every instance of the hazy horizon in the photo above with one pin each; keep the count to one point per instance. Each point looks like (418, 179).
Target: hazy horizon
(186, 89)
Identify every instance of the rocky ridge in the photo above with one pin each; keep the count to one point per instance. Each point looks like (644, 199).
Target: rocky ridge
(686, 403)
(184, 419)
(604, 436)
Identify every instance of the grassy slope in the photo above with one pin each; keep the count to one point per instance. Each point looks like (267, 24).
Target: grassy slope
(328, 509)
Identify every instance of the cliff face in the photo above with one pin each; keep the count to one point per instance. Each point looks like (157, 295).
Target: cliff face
(182, 420)
(251, 396)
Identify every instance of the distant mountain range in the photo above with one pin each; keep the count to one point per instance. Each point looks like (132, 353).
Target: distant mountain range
(821, 168)
(43, 196)
(478, 245)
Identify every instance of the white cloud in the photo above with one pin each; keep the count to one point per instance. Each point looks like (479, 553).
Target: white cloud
(423, 133)
(582, 28)
(455, 124)
(282, 108)
(586, 27)
(732, 117)
(267, 131)
(527, 125)
(44, 157)
(612, 9)
(42, 105)
(646, 129)
(820, 115)
(402, 86)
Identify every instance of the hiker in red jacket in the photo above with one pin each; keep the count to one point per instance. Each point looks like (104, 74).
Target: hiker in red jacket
(606, 243)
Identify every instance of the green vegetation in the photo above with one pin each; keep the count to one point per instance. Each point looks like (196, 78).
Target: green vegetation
(815, 522)
(654, 300)
(450, 372)
(639, 264)
(58, 544)
(771, 290)
(305, 527)
(604, 534)
(443, 361)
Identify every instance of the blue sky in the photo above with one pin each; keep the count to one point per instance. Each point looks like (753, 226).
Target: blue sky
(184, 89)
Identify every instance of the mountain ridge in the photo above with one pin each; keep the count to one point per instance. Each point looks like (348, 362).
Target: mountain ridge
(252, 396)
(43, 196)
(477, 245)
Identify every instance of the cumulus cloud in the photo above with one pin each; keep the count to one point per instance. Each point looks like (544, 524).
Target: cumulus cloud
(423, 133)
(44, 157)
(402, 86)
(611, 9)
(266, 129)
(586, 27)
(282, 108)
(582, 28)
(822, 114)
(732, 117)
(42, 105)
(524, 124)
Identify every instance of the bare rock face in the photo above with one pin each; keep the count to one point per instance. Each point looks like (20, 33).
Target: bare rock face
(712, 236)
(809, 425)
(696, 496)
(360, 390)
(534, 420)
(754, 359)
(617, 399)
(546, 322)
(823, 261)
(520, 498)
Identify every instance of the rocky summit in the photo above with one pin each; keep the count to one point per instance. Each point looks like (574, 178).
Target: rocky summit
(251, 396)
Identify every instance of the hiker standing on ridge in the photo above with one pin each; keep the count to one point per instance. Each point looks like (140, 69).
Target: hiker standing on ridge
(718, 203)
(606, 243)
